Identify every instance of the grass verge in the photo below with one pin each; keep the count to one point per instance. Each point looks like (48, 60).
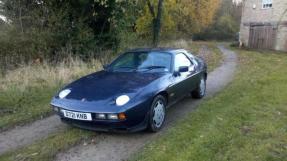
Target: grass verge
(212, 55)
(247, 121)
(47, 149)
(26, 92)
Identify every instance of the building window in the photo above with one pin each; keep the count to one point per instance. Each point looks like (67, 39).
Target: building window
(266, 4)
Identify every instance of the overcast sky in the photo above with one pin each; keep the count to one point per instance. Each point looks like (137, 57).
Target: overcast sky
(2, 17)
(237, 1)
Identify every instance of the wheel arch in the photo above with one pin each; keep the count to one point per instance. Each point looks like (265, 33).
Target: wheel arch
(164, 94)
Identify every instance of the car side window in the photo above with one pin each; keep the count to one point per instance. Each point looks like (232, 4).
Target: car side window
(182, 60)
(192, 58)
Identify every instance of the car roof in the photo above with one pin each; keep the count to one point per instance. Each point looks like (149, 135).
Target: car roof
(169, 50)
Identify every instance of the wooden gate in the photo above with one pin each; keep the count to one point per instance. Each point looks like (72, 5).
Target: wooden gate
(262, 37)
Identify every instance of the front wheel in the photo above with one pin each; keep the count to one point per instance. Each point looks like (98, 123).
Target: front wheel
(157, 114)
(200, 91)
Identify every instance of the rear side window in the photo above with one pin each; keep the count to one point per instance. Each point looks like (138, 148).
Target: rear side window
(181, 60)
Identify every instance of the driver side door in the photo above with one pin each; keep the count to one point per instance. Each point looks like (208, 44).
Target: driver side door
(182, 82)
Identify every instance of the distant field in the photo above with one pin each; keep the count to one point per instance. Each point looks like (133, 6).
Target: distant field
(247, 121)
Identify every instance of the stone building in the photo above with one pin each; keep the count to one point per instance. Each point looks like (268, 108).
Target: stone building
(264, 24)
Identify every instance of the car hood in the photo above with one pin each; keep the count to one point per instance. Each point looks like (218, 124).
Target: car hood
(99, 90)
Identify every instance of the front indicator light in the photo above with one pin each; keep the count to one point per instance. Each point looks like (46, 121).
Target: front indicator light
(122, 116)
(112, 116)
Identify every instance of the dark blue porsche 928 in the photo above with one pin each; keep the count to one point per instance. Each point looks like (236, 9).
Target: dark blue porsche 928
(133, 92)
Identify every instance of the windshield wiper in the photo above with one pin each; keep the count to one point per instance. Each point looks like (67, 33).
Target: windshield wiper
(152, 67)
(119, 68)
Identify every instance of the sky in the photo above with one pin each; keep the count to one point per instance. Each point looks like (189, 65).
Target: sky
(3, 18)
(237, 1)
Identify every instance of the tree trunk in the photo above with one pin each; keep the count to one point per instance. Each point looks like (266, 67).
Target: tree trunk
(157, 24)
(20, 17)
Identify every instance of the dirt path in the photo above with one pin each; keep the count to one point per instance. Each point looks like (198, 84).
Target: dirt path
(25, 135)
(114, 147)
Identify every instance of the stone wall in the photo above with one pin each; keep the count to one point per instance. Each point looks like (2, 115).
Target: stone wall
(281, 39)
(253, 13)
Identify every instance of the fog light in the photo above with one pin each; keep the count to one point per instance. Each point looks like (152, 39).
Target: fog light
(101, 116)
(112, 116)
(122, 116)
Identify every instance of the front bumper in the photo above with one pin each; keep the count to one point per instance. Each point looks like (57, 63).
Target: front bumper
(137, 120)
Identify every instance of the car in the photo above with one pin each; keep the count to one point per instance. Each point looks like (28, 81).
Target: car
(133, 92)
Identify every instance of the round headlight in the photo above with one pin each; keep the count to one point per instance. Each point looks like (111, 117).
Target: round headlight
(122, 100)
(64, 93)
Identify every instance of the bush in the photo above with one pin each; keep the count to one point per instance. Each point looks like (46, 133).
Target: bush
(224, 29)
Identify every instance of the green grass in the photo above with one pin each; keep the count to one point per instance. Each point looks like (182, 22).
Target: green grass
(24, 106)
(247, 121)
(47, 149)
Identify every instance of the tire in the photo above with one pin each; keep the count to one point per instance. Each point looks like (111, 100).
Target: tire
(200, 91)
(157, 114)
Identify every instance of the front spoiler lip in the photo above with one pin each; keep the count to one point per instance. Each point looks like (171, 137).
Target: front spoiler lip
(92, 126)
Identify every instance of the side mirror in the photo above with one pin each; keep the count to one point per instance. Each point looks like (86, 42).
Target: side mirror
(183, 69)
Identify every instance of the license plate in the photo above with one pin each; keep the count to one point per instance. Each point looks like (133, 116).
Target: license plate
(77, 115)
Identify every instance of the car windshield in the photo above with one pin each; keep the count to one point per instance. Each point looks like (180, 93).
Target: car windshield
(142, 61)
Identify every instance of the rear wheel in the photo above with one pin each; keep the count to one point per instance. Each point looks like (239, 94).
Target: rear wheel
(157, 113)
(200, 91)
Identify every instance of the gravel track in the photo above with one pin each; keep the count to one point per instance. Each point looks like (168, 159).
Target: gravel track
(25, 135)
